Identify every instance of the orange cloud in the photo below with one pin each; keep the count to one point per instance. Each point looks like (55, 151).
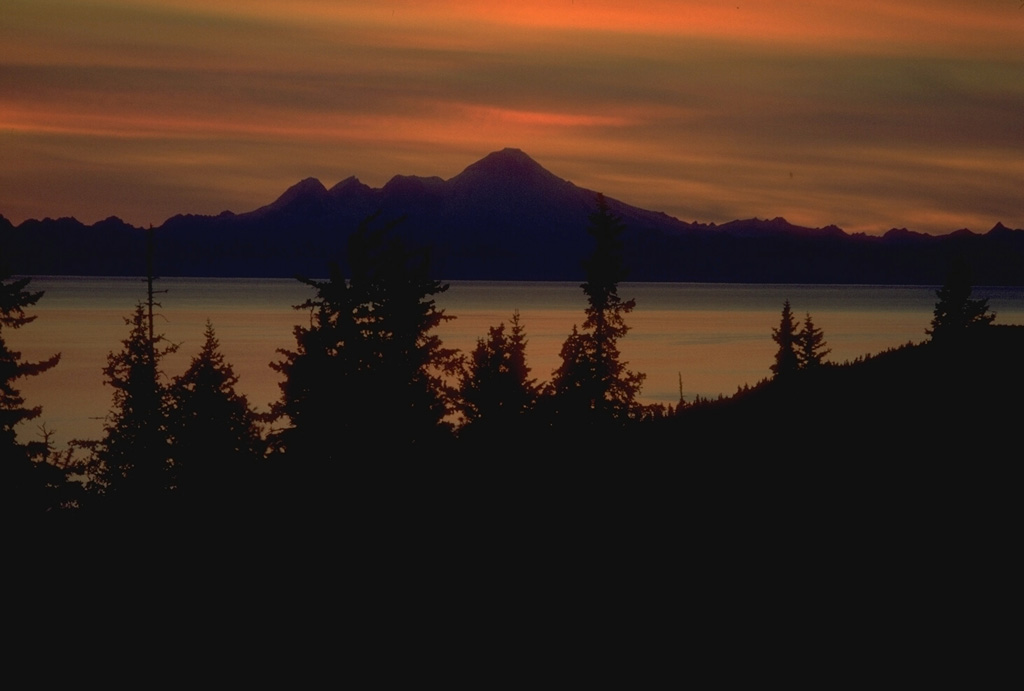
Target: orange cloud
(838, 24)
(509, 116)
(701, 108)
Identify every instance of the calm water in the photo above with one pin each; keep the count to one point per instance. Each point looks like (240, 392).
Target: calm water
(717, 337)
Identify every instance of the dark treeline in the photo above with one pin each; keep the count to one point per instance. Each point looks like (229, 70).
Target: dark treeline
(375, 409)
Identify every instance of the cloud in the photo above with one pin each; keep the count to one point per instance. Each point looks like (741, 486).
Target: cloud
(868, 114)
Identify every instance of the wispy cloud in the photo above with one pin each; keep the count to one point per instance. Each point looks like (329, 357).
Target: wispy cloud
(869, 114)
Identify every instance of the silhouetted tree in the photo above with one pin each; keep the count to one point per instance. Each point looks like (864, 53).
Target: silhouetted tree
(496, 389)
(214, 433)
(370, 360)
(29, 484)
(681, 404)
(810, 345)
(786, 359)
(956, 314)
(593, 383)
(573, 388)
(133, 458)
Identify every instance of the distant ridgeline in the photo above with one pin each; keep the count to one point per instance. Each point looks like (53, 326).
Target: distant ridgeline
(503, 218)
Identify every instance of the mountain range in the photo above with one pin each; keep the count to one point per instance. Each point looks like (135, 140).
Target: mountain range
(504, 217)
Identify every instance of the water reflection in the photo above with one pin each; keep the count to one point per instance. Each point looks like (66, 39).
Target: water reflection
(716, 336)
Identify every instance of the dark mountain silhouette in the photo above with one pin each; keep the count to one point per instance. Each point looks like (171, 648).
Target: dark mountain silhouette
(503, 217)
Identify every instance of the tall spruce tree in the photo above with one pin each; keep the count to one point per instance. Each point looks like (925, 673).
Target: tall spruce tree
(592, 383)
(956, 314)
(130, 465)
(214, 433)
(370, 362)
(810, 345)
(496, 390)
(786, 359)
(29, 484)
(133, 457)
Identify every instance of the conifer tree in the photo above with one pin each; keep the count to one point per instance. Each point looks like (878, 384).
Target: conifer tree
(134, 455)
(956, 314)
(214, 433)
(810, 345)
(370, 359)
(786, 359)
(681, 405)
(315, 391)
(130, 465)
(593, 383)
(573, 387)
(496, 389)
(29, 484)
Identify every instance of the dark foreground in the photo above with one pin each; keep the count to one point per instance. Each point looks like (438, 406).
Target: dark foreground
(918, 426)
(855, 518)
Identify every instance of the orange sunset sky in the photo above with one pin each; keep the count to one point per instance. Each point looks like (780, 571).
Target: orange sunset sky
(869, 114)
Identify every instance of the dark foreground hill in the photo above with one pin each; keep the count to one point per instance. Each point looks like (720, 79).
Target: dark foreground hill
(885, 490)
(913, 409)
(503, 217)
(918, 443)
